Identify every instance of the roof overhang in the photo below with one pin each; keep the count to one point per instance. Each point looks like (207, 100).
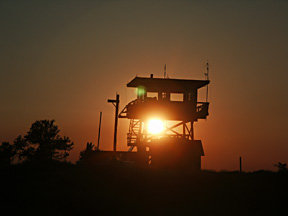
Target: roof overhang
(167, 85)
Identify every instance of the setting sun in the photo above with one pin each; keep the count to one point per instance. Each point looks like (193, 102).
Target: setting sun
(155, 126)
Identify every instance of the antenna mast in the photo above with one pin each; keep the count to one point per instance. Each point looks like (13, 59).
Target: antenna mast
(164, 71)
(207, 78)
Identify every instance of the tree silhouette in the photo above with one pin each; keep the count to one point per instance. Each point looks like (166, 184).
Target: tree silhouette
(7, 154)
(43, 142)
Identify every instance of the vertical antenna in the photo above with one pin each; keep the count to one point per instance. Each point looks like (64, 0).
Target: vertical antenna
(207, 78)
(207, 71)
(164, 71)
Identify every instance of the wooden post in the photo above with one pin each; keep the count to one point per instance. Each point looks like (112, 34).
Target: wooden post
(240, 163)
(98, 143)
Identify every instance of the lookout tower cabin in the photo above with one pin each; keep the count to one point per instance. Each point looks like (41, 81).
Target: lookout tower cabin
(161, 121)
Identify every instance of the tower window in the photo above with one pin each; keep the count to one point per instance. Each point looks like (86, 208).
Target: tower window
(176, 97)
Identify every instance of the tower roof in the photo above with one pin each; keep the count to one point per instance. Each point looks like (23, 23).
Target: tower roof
(167, 85)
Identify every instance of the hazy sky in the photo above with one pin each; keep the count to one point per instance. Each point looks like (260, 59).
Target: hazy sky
(62, 60)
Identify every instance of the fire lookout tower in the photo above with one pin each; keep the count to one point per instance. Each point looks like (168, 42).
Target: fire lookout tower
(171, 106)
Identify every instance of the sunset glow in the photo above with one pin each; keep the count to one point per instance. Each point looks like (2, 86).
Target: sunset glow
(62, 60)
(155, 126)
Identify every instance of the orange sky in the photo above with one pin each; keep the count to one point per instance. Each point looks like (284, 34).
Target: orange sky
(63, 60)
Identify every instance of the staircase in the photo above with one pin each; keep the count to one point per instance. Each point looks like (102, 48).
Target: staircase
(123, 113)
(133, 134)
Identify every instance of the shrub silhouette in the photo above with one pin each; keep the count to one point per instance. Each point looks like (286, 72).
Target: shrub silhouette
(282, 167)
(86, 154)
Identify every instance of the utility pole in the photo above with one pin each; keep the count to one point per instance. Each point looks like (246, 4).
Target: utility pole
(116, 104)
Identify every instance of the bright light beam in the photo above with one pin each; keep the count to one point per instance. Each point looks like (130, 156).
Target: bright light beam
(155, 126)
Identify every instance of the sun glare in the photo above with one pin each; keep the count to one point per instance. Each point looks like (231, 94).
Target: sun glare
(155, 126)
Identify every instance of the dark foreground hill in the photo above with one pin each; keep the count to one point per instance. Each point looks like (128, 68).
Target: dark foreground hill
(65, 189)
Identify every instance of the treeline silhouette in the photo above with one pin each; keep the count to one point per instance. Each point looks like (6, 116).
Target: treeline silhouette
(36, 179)
(41, 144)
